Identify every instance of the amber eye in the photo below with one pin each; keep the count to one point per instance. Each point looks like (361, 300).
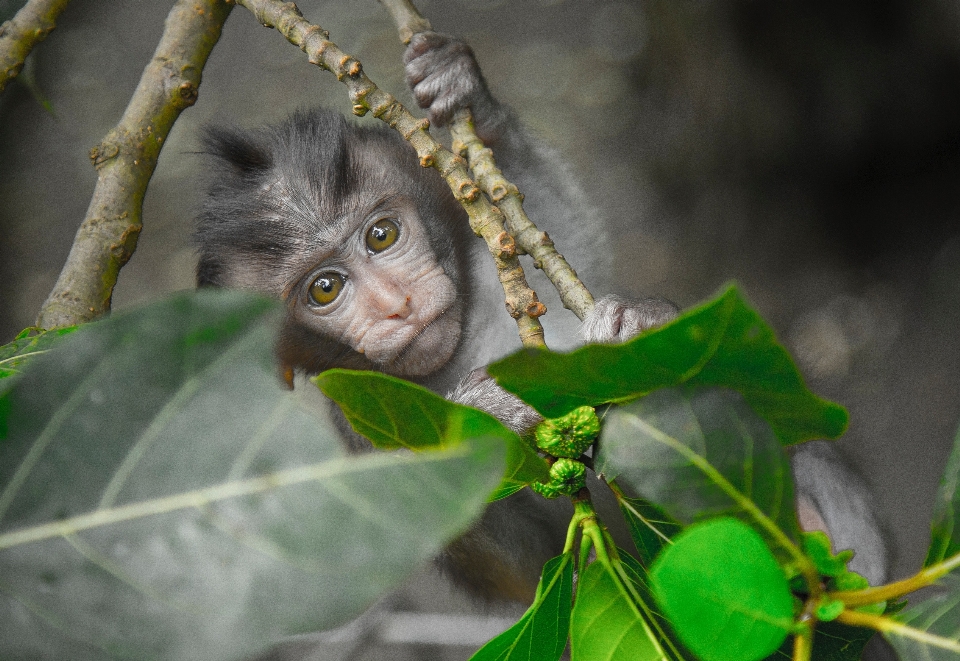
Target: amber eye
(326, 288)
(382, 235)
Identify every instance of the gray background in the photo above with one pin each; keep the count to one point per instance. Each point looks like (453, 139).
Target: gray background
(810, 151)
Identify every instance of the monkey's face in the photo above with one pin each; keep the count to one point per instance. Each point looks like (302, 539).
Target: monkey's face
(382, 292)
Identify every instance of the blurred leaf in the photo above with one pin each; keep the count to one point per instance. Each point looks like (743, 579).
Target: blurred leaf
(541, 634)
(700, 453)
(650, 527)
(818, 548)
(162, 497)
(723, 591)
(930, 630)
(28, 344)
(607, 624)
(723, 343)
(394, 413)
(945, 533)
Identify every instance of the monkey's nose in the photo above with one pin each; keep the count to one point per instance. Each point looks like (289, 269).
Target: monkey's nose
(401, 310)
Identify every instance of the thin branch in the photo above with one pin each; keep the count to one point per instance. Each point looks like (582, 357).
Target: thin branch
(485, 219)
(26, 29)
(408, 20)
(125, 161)
(574, 295)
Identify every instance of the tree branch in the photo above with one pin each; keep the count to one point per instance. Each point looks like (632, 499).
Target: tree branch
(485, 219)
(125, 161)
(574, 295)
(26, 29)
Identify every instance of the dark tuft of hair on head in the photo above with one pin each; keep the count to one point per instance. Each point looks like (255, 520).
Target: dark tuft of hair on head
(239, 149)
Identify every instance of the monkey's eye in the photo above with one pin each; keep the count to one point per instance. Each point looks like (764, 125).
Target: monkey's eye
(326, 288)
(382, 235)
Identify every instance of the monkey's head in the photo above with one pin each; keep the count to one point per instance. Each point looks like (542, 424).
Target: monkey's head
(365, 247)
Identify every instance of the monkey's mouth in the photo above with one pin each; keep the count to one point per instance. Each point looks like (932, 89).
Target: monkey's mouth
(429, 347)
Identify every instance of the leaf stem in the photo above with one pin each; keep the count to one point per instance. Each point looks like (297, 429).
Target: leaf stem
(608, 557)
(803, 643)
(891, 591)
(887, 625)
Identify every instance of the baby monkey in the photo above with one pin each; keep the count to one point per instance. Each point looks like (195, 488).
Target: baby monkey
(378, 269)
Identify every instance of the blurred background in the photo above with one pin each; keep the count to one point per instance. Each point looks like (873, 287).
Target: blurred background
(808, 150)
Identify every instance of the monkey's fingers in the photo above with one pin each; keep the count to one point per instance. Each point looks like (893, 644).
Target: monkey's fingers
(616, 319)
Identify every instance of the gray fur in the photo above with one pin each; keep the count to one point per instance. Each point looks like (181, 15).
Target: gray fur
(617, 319)
(480, 391)
(842, 499)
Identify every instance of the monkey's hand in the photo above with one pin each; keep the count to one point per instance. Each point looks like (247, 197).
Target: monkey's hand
(444, 76)
(480, 391)
(615, 319)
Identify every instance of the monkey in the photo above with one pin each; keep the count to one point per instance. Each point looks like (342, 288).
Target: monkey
(377, 269)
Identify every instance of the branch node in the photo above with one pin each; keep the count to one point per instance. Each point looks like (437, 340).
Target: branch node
(536, 309)
(468, 191)
(188, 93)
(359, 110)
(427, 161)
(103, 152)
(507, 246)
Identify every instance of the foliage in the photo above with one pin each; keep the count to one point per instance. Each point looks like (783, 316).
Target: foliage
(162, 497)
(153, 469)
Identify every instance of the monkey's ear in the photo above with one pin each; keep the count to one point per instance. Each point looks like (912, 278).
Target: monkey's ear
(241, 150)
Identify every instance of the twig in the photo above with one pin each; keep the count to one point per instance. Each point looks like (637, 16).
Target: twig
(408, 20)
(485, 219)
(125, 161)
(26, 29)
(574, 295)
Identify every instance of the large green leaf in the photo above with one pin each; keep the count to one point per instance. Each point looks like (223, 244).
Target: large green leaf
(930, 630)
(945, 533)
(700, 453)
(163, 497)
(541, 634)
(723, 591)
(721, 343)
(394, 413)
(607, 624)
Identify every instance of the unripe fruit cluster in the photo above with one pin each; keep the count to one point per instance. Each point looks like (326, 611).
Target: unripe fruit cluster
(569, 435)
(566, 438)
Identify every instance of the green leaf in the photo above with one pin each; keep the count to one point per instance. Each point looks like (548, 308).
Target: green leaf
(394, 413)
(724, 592)
(541, 634)
(817, 546)
(700, 453)
(945, 533)
(30, 343)
(607, 624)
(722, 343)
(650, 527)
(930, 630)
(162, 496)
